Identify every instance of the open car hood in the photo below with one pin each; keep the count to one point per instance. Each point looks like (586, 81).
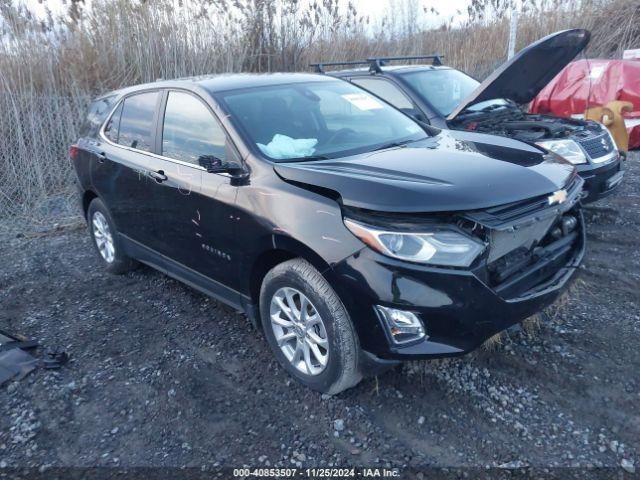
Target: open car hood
(521, 78)
(452, 171)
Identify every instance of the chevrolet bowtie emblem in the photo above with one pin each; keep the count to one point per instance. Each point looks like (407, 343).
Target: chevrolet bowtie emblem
(557, 197)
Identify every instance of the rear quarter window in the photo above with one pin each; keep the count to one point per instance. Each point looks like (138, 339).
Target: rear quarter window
(96, 116)
(113, 125)
(136, 121)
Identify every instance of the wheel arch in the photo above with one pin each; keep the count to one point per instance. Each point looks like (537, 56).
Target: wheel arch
(281, 249)
(87, 198)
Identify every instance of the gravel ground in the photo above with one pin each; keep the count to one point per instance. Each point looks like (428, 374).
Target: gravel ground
(160, 375)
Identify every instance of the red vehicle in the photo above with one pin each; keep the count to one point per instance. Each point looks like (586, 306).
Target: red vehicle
(589, 83)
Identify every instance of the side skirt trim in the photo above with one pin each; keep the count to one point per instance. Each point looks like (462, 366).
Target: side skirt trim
(180, 272)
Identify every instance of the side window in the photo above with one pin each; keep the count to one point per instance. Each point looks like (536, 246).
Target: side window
(98, 111)
(385, 90)
(190, 131)
(113, 125)
(136, 122)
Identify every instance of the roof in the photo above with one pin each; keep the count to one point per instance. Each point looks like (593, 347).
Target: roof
(228, 81)
(225, 82)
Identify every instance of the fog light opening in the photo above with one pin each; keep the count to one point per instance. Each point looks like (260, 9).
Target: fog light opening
(403, 326)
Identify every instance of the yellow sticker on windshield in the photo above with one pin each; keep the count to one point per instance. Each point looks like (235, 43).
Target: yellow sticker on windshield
(362, 101)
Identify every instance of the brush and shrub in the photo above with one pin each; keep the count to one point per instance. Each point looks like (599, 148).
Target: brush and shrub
(51, 65)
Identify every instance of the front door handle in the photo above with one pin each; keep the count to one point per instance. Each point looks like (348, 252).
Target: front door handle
(101, 157)
(158, 176)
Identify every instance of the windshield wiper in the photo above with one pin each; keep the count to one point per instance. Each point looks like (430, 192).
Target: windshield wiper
(396, 144)
(304, 159)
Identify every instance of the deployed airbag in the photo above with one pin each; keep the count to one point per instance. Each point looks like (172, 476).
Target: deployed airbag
(282, 146)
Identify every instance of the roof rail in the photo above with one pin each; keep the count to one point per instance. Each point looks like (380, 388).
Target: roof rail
(375, 63)
(320, 66)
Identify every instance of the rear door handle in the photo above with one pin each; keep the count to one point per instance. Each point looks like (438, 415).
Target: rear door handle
(158, 176)
(101, 157)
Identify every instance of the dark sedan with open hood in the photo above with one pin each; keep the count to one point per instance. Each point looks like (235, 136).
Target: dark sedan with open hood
(448, 98)
(351, 235)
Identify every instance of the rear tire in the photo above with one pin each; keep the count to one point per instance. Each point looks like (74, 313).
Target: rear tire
(106, 240)
(315, 340)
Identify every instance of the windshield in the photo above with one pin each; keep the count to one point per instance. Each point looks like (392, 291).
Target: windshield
(315, 120)
(443, 89)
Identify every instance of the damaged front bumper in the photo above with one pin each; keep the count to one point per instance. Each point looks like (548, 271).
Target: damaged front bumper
(459, 308)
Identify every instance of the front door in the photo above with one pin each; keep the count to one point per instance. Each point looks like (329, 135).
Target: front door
(195, 225)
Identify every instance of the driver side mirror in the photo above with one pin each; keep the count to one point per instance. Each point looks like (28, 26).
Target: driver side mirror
(213, 164)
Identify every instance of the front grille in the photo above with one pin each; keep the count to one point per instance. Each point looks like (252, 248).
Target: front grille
(597, 146)
(527, 270)
(527, 210)
(505, 241)
(531, 242)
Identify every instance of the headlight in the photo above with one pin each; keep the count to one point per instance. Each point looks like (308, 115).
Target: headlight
(437, 247)
(567, 149)
(613, 140)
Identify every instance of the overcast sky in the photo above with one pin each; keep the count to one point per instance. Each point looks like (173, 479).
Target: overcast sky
(376, 9)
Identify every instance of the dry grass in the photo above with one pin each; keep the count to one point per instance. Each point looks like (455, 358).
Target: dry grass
(533, 325)
(49, 69)
(530, 327)
(494, 342)
(573, 294)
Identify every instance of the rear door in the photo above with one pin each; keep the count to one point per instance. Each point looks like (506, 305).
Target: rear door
(89, 145)
(124, 161)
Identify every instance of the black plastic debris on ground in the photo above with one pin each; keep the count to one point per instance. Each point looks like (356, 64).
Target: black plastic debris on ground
(54, 358)
(16, 361)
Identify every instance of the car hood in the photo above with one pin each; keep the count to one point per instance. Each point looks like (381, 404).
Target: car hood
(451, 171)
(523, 76)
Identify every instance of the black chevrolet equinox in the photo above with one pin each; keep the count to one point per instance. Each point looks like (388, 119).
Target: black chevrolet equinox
(351, 235)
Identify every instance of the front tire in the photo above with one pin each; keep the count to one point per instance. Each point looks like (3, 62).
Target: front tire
(106, 240)
(308, 328)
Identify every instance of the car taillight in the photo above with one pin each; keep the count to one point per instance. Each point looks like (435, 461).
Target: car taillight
(74, 152)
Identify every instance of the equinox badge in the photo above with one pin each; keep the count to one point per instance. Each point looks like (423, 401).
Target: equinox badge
(557, 197)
